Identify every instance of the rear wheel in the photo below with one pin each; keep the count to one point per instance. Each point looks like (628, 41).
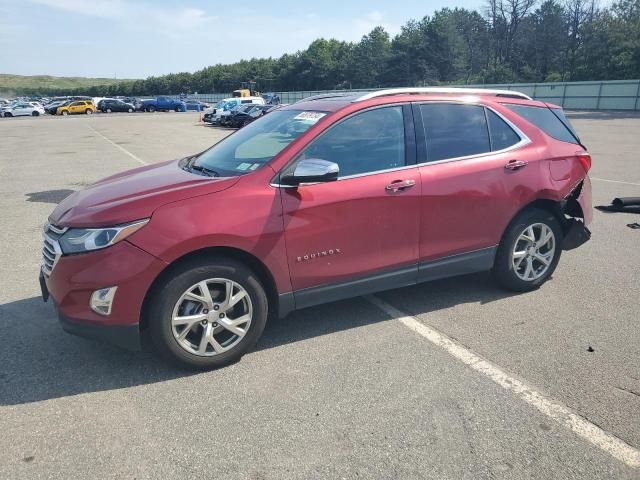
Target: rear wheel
(65, 112)
(151, 109)
(529, 251)
(208, 314)
(177, 109)
(109, 110)
(35, 113)
(8, 114)
(88, 111)
(130, 110)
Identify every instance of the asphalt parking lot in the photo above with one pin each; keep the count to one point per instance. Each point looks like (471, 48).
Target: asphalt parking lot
(345, 390)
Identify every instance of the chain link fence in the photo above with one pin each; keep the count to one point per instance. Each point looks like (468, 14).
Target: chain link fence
(604, 95)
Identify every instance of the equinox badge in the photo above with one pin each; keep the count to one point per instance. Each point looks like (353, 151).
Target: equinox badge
(323, 253)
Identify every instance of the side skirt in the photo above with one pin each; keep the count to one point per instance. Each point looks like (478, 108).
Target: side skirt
(461, 264)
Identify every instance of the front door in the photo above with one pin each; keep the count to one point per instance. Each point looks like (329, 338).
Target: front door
(364, 227)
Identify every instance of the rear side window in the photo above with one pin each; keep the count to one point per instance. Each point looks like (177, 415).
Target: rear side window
(502, 135)
(454, 130)
(545, 120)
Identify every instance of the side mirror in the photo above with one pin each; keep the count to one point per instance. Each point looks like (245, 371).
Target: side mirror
(312, 170)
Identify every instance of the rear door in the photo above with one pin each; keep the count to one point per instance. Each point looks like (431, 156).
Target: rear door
(469, 191)
(365, 225)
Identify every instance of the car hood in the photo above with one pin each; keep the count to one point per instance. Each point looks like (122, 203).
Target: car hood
(133, 195)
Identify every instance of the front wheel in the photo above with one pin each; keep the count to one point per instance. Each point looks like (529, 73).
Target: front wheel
(529, 251)
(108, 110)
(65, 112)
(130, 110)
(88, 111)
(35, 113)
(208, 314)
(151, 109)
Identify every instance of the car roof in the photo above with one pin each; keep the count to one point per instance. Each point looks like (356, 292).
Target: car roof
(334, 102)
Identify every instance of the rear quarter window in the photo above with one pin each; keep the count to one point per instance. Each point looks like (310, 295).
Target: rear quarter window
(545, 120)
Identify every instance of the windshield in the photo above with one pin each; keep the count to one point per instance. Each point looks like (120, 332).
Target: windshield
(255, 145)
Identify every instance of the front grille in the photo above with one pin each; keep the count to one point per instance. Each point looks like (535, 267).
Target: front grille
(51, 251)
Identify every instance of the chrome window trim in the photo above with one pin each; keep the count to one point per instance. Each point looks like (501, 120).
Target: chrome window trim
(524, 140)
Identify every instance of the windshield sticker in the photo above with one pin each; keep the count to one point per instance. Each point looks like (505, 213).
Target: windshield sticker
(309, 117)
(243, 166)
(254, 166)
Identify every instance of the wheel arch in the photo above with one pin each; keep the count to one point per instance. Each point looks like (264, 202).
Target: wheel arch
(255, 264)
(569, 206)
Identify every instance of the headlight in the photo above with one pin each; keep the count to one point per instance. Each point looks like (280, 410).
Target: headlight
(78, 240)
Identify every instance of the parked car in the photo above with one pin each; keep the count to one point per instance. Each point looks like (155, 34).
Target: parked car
(162, 104)
(318, 201)
(243, 117)
(271, 98)
(223, 108)
(20, 109)
(52, 108)
(109, 105)
(79, 106)
(227, 120)
(196, 105)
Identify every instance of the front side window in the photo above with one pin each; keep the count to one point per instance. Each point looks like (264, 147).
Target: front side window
(454, 130)
(367, 142)
(255, 145)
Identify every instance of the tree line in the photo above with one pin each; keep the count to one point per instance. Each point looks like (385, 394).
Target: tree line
(508, 41)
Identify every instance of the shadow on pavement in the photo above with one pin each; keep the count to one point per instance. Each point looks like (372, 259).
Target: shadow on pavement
(40, 362)
(49, 196)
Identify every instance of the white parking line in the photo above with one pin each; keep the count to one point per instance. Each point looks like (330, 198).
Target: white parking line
(139, 160)
(553, 409)
(614, 181)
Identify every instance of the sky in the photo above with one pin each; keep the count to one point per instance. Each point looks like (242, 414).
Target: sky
(139, 38)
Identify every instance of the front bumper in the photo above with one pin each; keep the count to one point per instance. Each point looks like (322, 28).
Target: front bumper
(75, 277)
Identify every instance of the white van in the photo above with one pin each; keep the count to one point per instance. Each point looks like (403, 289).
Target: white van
(223, 108)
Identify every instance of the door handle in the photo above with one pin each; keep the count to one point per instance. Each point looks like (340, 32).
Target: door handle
(516, 164)
(400, 185)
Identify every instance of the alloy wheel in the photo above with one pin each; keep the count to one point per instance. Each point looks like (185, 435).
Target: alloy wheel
(533, 252)
(211, 317)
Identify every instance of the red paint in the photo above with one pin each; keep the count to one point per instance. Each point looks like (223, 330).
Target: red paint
(453, 207)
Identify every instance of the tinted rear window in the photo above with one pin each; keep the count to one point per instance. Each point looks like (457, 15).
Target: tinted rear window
(502, 135)
(545, 120)
(454, 130)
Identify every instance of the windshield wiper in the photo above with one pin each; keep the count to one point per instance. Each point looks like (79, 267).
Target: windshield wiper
(206, 171)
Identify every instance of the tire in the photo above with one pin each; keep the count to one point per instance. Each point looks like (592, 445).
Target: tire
(8, 114)
(130, 110)
(177, 109)
(108, 110)
(88, 111)
(246, 122)
(35, 113)
(151, 109)
(169, 298)
(65, 112)
(515, 252)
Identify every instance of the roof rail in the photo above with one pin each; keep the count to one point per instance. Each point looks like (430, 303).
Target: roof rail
(444, 90)
(323, 96)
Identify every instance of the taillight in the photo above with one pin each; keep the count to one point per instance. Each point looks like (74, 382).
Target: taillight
(585, 160)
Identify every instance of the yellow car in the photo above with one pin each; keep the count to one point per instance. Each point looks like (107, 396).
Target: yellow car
(80, 106)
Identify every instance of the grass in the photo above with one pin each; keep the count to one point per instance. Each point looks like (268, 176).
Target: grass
(16, 84)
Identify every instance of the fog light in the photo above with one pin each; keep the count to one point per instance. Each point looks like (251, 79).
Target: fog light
(102, 299)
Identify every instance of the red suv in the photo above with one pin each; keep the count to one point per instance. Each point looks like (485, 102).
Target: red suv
(332, 197)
